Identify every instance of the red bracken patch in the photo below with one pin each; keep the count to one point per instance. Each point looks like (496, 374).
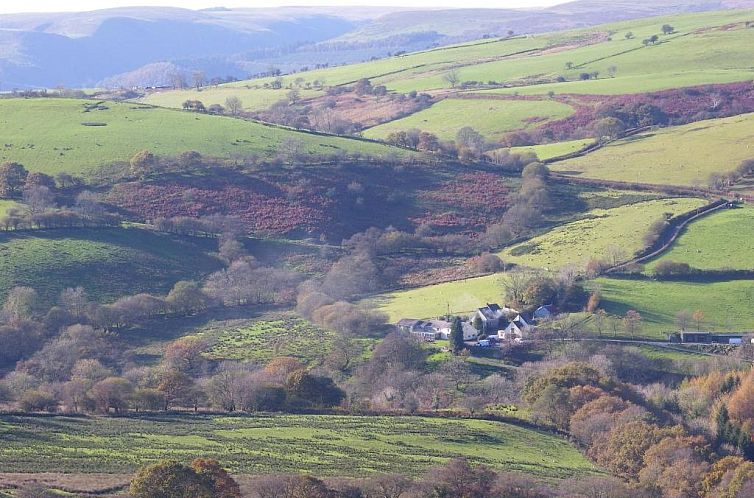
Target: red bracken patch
(262, 208)
(466, 203)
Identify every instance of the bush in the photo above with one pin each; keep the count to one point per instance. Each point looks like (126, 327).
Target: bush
(37, 401)
(668, 267)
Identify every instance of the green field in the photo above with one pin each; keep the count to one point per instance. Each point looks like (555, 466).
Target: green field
(689, 56)
(722, 240)
(679, 155)
(48, 135)
(432, 301)
(725, 304)
(321, 445)
(252, 97)
(556, 149)
(108, 263)
(578, 241)
(270, 337)
(491, 118)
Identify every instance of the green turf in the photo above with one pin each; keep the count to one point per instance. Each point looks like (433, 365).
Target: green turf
(252, 97)
(492, 118)
(48, 135)
(678, 60)
(556, 149)
(272, 336)
(722, 240)
(108, 263)
(680, 155)
(581, 240)
(321, 445)
(725, 304)
(632, 84)
(436, 300)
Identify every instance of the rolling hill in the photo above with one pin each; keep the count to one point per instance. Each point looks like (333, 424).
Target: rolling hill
(78, 136)
(119, 45)
(108, 263)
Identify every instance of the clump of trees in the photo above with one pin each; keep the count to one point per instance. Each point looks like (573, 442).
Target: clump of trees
(202, 478)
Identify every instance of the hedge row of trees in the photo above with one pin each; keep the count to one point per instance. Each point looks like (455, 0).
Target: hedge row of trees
(457, 478)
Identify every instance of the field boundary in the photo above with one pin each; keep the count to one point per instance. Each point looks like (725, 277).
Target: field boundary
(671, 234)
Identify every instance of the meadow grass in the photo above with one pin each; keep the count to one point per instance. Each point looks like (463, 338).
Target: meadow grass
(680, 59)
(271, 336)
(53, 135)
(556, 149)
(108, 263)
(678, 155)
(263, 444)
(725, 304)
(492, 118)
(578, 241)
(632, 83)
(456, 297)
(719, 241)
(253, 97)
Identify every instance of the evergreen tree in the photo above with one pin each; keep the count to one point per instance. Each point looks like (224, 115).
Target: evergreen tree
(456, 336)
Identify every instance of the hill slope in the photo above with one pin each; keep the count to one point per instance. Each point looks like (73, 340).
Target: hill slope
(77, 136)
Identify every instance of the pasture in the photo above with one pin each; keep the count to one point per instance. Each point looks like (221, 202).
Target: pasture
(253, 97)
(725, 304)
(678, 155)
(270, 337)
(108, 263)
(700, 46)
(491, 118)
(556, 149)
(78, 136)
(323, 445)
(719, 241)
(578, 241)
(455, 297)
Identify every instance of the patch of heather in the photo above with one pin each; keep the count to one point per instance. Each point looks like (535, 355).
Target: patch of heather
(263, 208)
(681, 105)
(466, 203)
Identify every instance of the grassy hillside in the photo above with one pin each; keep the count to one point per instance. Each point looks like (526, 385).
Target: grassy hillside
(52, 135)
(691, 55)
(108, 263)
(578, 241)
(321, 445)
(725, 304)
(681, 155)
(698, 52)
(719, 241)
(253, 97)
(556, 149)
(492, 118)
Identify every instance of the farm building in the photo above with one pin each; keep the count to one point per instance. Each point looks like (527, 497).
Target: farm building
(704, 338)
(492, 316)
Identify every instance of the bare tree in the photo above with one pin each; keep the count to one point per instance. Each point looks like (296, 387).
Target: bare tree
(615, 254)
(632, 322)
(452, 77)
(682, 320)
(199, 79)
(514, 284)
(234, 105)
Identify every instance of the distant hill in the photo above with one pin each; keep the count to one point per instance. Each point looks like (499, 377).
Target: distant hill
(131, 46)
